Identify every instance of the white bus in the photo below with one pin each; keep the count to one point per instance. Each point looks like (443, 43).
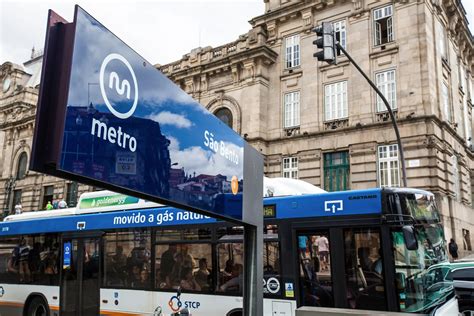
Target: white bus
(119, 255)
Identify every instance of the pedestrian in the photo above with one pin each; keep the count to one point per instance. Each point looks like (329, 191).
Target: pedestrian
(18, 209)
(453, 249)
(62, 204)
(49, 206)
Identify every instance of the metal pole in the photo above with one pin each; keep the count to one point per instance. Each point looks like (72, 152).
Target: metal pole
(253, 298)
(389, 109)
(253, 232)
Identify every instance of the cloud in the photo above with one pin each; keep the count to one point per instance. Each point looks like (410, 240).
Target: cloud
(197, 159)
(168, 118)
(174, 143)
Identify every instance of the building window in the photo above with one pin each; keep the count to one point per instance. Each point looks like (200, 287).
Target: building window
(225, 115)
(290, 167)
(441, 34)
(292, 55)
(383, 20)
(389, 170)
(387, 84)
(71, 194)
(466, 240)
(335, 101)
(292, 109)
(469, 86)
(446, 103)
(21, 169)
(456, 178)
(462, 75)
(336, 171)
(48, 194)
(340, 32)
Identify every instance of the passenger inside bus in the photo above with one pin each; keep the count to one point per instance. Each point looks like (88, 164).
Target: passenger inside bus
(203, 275)
(30, 260)
(166, 266)
(235, 283)
(188, 282)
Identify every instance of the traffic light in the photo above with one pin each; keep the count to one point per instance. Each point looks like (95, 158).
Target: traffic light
(326, 41)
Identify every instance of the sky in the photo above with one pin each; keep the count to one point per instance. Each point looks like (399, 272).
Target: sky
(162, 31)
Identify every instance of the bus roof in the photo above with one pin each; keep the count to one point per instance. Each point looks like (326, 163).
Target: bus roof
(360, 202)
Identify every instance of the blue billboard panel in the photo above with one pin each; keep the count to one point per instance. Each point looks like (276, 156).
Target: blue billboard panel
(128, 128)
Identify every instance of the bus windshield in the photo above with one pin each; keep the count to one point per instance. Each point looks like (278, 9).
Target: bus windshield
(419, 282)
(421, 207)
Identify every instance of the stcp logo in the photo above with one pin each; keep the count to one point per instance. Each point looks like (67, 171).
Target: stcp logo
(119, 95)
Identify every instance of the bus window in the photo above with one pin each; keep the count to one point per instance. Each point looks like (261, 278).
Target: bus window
(271, 268)
(315, 269)
(9, 264)
(186, 265)
(30, 259)
(127, 259)
(363, 266)
(271, 258)
(44, 259)
(231, 259)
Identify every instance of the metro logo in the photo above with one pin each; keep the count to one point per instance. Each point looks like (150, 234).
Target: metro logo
(120, 86)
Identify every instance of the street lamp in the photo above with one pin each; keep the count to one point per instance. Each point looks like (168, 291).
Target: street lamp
(326, 40)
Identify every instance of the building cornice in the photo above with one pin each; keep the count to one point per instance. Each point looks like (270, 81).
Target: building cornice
(186, 68)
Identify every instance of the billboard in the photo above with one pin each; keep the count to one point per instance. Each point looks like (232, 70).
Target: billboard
(109, 118)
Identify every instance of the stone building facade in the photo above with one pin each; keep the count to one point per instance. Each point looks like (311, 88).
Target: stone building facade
(18, 185)
(323, 124)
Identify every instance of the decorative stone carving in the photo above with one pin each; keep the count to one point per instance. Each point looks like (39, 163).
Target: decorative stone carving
(337, 124)
(358, 4)
(385, 116)
(307, 16)
(204, 82)
(271, 28)
(235, 74)
(249, 67)
(189, 85)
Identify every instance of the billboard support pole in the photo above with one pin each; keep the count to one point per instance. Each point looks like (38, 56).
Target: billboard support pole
(253, 294)
(253, 233)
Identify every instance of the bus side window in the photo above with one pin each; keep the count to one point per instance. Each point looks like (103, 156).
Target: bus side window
(363, 267)
(230, 256)
(127, 259)
(185, 265)
(9, 264)
(44, 259)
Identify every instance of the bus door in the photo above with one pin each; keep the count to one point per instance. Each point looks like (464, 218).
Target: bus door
(80, 281)
(314, 264)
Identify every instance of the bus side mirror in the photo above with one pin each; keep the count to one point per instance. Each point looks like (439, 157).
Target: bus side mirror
(409, 237)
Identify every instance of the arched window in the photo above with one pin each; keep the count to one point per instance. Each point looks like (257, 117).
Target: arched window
(21, 169)
(225, 115)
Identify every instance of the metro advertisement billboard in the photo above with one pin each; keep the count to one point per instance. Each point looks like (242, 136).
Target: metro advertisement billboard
(109, 118)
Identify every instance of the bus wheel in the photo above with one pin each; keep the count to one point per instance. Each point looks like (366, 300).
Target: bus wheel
(37, 307)
(235, 312)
